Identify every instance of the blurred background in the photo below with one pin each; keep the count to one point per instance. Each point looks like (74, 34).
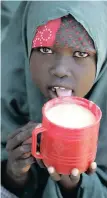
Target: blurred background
(8, 9)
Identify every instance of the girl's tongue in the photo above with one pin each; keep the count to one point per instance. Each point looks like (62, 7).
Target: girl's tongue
(63, 92)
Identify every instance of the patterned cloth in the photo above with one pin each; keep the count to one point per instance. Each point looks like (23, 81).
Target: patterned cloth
(65, 32)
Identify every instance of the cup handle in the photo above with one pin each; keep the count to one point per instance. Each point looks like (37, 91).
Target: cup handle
(35, 132)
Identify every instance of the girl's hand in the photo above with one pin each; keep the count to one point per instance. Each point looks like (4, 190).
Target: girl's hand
(71, 181)
(19, 153)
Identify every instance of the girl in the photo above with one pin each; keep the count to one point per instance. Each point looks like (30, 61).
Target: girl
(50, 46)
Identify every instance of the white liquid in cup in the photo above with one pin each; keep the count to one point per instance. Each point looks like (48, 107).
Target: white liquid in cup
(70, 115)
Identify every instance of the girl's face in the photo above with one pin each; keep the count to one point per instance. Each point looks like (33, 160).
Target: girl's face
(65, 68)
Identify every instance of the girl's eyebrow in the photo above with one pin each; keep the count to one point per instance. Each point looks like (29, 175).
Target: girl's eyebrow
(89, 50)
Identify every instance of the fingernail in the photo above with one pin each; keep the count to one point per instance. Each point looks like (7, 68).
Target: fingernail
(39, 125)
(75, 172)
(51, 170)
(93, 165)
(37, 153)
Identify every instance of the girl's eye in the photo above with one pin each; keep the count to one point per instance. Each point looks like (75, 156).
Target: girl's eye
(81, 54)
(45, 50)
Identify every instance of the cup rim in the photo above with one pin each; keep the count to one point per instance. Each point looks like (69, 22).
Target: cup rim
(63, 99)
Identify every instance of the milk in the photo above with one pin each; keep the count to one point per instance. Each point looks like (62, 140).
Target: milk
(70, 115)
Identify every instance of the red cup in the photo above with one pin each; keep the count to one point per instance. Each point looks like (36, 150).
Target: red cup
(67, 148)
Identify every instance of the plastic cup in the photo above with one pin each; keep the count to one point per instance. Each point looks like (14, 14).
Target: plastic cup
(67, 148)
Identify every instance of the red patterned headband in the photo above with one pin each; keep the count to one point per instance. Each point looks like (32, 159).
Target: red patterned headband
(46, 34)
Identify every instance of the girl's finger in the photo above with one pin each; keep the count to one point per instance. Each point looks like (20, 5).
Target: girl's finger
(40, 163)
(28, 141)
(20, 137)
(71, 181)
(92, 168)
(54, 175)
(11, 136)
(26, 164)
(21, 166)
(75, 176)
(26, 169)
(26, 155)
(19, 152)
(66, 181)
(28, 161)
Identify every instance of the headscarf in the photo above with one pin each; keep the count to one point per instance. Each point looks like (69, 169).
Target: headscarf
(22, 101)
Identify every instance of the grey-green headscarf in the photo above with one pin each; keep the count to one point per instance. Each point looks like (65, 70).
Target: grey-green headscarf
(18, 90)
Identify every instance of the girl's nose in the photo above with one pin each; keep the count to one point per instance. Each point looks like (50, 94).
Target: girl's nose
(60, 72)
(62, 68)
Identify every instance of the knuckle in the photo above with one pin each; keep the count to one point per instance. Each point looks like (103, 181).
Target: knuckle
(21, 149)
(18, 138)
(8, 146)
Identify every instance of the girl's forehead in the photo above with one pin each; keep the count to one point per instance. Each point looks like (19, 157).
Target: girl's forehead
(63, 32)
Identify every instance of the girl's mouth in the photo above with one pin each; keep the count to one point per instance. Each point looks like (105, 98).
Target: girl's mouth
(60, 92)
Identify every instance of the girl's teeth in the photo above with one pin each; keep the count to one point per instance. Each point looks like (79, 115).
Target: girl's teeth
(59, 88)
(61, 91)
(54, 88)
